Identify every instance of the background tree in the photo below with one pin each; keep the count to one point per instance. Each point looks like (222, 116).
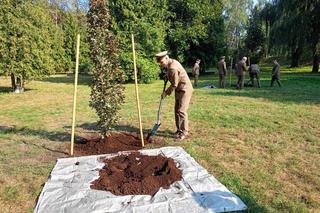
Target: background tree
(295, 29)
(5, 9)
(313, 11)
(286, 31)
(29, 40)
(196, 31)
(268, 15)
(255, 39)
(107, 92)
(236, 20)
(70, 17)
(147, 20)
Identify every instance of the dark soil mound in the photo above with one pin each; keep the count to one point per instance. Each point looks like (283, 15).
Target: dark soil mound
(135, 174)
(115, 142)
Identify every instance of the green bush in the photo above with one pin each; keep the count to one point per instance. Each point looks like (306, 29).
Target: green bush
(85, 67)
(126, 65)
(147, 70)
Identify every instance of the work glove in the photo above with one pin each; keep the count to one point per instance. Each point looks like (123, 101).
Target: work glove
(163, 95)
(163, 75)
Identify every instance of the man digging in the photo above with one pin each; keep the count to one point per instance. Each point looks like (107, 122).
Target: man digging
(181, 85)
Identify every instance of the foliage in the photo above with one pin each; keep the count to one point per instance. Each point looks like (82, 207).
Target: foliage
(195, 29)
(236, 20)
(255, 40)
(268, 15)
(70, 28)
(147, 70)
(295, 27)
(70, 17)
(4, 8)
(147, 21)
(107, 92)
(188, 29)
(72, 24)
(30, 40)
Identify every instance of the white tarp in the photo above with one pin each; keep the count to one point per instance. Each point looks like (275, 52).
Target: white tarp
(68, 189)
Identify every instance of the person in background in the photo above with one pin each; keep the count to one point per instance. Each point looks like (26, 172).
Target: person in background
(196, 72)
(254, 73)
(222, 69)
(182, 87)
(241, 68)
(275, 73)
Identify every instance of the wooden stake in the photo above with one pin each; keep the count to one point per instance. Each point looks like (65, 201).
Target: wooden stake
(137, 92)
(75, 95)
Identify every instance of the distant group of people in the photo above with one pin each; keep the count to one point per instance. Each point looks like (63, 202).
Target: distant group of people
(254, 73)
(181, 85)
(241, 68)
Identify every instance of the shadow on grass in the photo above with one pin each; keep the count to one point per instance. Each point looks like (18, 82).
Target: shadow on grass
(53, 136)
(6, 90)
(128, 128)
(68, 79)
(46, 148)
(9, 90)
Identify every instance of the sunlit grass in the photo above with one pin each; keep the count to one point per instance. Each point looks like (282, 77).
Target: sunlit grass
(263, 144)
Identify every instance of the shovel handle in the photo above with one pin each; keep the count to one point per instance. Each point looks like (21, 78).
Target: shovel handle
(160, 105)
(165, 84)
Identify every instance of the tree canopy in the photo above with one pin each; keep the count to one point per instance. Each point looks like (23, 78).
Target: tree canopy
(294, 28)
(37, 37)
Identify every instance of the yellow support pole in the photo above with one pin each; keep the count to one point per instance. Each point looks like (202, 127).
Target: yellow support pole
(75, 95)
(136, 86)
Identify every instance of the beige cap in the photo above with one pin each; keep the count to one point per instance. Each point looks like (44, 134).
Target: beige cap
(161, 54)
(222, 57)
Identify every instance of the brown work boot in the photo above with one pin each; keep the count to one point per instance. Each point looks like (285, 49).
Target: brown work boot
(177, 134)
(181, 137)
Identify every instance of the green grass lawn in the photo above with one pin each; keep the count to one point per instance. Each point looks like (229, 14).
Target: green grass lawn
(263, 144)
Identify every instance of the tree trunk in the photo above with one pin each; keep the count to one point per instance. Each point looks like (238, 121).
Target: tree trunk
(13, 82)
(295, 57)
(315, 63)
(267, 40)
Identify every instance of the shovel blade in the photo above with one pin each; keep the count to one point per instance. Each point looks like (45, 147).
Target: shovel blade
(153, 130)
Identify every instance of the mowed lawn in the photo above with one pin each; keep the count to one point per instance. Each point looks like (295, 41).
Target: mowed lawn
(263, 144)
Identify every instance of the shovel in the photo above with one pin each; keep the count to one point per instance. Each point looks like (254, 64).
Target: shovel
(157, 124)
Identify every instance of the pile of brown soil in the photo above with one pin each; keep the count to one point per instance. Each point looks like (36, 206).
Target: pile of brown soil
(115, 142)
(135, 174)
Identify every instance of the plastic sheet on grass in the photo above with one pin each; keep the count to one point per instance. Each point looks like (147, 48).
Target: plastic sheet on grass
(68, 189)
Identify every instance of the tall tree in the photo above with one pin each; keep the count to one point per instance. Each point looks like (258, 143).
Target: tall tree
(269, 16)
(314, 35)
(70, 17)
(107, 92)
(236, 20)
(196, 30)
(29, 41)
(146, 19)
(297, 26)
(255, 39)
(287, 29)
